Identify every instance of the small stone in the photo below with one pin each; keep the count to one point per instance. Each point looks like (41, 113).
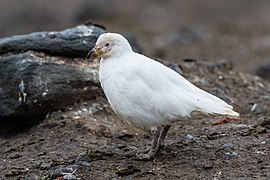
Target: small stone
(215, 135)
(16, 171)
(69, 177)
(208, 166)
(104, 131)
(41, 153)
(15, 156)
(245, 132)
(125, 136)
(61, 171)
(208, 146)
(227, 145)
(265, 123)
(45, 165)
(231, 154)
(256, 108)
(263, 71)
(125, 171)
(220, 77)
(189, 138)
(260, 152)
(188, 60)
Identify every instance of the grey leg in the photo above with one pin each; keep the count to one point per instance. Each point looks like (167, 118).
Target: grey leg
(154, 146)
(158, 138)
(163, 134)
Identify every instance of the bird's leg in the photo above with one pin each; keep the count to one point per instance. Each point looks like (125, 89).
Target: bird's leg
(154, 146)
(163, 134)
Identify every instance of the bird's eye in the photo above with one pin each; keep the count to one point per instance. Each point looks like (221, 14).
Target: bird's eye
(107, 44)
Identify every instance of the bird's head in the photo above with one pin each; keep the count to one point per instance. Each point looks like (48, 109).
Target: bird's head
(108, 45)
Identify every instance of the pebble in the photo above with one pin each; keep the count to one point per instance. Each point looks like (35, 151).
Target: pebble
(260, 152)
(62, 171)
(227, 145)
(256, 108)
(265, 123)
(263, 71)
(83, 160)
(208, 146)
(45, 165)
(16, 171)
(189, 138)
(15, 156)
(128, 170)
(231, 154)
(69, 177)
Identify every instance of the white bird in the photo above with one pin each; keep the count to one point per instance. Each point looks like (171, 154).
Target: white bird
(147, 93)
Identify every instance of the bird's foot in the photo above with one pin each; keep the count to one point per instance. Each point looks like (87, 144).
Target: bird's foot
(144, 150)
(145, 157)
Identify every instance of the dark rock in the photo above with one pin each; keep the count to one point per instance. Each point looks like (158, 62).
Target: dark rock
(125, 171)
(33, 84)
(125, 136)
(15, 155)
(245, 132)
(73, 42)
(188, 60)
(263, 71)
(16, 171)
(220, 93)
(62, 171)
(208, 166)
(259, 130)
(84, 159)
(46, 165)
(221, 65)
(265, 123)
(215, 135)
(176, 68)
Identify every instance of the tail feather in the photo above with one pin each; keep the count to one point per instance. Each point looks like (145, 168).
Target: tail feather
(231, 112)
(214, 105)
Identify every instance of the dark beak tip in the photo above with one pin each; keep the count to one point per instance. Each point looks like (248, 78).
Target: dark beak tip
(89, 54)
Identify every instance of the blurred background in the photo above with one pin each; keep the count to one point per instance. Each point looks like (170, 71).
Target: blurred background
(237, 31)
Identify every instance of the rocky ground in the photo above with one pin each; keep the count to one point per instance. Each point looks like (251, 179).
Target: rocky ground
(217, 46)
(88, 141)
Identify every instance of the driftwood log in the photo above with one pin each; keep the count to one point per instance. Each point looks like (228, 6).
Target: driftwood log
(46, 71)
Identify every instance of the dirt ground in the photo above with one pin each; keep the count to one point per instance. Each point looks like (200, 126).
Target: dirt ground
(217, 46)
(90, 138)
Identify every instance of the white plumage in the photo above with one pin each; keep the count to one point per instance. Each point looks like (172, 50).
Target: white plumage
(144, 91)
